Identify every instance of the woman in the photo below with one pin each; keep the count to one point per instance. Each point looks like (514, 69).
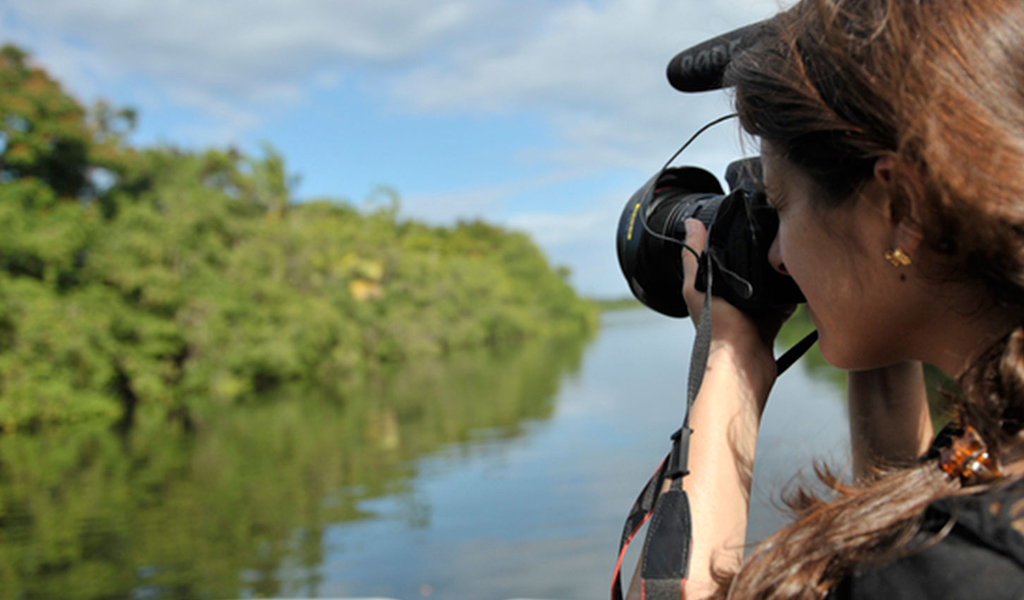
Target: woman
(892, 135)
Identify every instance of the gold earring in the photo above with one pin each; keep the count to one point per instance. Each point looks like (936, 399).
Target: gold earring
(897, 257)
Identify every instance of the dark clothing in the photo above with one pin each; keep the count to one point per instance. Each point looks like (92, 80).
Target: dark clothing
(982, 557)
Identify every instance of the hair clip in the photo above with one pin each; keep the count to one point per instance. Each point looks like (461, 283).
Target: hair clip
(968, 459)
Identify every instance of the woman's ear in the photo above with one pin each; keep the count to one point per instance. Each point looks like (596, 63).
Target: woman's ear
(883, 169)
(901, 212)
(896, 207)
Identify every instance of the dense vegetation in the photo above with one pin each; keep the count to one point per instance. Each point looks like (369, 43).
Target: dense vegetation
(156, 279)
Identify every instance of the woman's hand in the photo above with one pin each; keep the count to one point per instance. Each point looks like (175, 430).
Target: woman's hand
(749, 341)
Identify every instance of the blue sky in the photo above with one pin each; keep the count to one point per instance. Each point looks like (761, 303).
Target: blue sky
(540, 115)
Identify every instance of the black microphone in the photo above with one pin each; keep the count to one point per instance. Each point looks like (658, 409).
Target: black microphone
(701, 67)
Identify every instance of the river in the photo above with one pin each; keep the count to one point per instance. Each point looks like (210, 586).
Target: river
(539, 516)
(503, 475)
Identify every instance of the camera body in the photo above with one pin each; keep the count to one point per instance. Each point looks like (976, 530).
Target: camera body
(741, 229)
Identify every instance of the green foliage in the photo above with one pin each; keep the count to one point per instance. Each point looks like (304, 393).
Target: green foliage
(161, 280)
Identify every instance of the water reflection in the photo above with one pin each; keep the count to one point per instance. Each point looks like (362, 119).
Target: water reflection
(492, 476)
(245, 506)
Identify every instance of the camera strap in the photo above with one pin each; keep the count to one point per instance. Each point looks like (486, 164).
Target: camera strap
(665, 559)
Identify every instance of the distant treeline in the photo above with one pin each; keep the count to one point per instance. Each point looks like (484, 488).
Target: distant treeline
(610, 304)
(159, 279)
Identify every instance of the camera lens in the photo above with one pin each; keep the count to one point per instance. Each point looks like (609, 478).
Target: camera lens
(741, 230)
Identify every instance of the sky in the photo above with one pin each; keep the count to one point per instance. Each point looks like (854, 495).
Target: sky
(542, 116)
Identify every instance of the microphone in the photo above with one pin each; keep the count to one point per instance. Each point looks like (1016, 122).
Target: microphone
(700, 68)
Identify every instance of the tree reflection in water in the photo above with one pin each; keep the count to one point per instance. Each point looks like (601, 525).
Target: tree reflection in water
(239, 507)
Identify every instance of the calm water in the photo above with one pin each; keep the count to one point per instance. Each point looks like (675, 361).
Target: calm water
(495, 476)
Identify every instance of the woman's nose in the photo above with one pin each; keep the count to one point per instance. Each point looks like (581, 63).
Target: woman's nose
(775, 257)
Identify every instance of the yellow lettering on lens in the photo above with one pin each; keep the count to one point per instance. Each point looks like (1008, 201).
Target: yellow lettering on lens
(632, 222)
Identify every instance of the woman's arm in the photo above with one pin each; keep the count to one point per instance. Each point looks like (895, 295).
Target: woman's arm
(725, 419)
(889, 419)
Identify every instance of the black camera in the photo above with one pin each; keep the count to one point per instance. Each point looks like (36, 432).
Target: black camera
(741, 228)
(741, 225)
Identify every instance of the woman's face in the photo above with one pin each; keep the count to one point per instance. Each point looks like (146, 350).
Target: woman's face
(864, 316)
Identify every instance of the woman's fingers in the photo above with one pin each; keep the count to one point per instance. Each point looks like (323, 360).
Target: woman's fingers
(696, 235)
(750, 338)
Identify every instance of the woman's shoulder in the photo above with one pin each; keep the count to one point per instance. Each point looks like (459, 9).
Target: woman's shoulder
(994, 518)
(981, 557)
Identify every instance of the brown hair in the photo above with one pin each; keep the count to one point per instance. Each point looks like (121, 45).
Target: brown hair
(937, 86)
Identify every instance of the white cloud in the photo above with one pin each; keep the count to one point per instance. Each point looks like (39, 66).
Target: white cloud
(480, 201)
(252, 56)
(241, 46)
(596, 70)
(447, 207)
(559, 229)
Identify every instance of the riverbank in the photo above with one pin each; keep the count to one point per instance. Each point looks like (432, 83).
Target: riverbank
(613, 304)
(157, 279)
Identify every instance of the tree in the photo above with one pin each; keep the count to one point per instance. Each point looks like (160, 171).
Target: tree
(164, 280)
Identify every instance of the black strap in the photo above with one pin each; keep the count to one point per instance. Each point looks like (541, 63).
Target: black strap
(666, 553)
(638, 515)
